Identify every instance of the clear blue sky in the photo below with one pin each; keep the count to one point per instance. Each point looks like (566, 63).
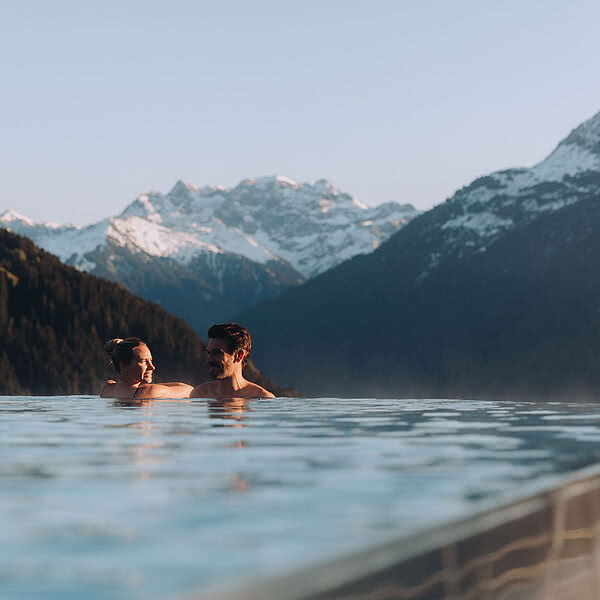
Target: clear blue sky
(390, 100)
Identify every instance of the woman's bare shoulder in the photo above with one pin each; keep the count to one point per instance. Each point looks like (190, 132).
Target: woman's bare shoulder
(108, 386)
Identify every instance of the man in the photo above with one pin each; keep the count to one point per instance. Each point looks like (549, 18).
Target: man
(228, 350)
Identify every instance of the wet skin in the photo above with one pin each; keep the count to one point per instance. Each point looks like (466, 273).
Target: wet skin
(226, 370)
(140, 369)
(220, 361)
(135, 380)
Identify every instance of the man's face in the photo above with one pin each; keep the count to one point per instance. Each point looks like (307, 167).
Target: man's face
(221, 363)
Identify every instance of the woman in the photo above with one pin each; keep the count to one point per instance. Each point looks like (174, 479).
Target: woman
(132, 360)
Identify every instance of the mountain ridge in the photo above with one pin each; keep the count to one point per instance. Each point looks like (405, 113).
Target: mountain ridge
(191, 213)
(234, 246)
(401, 288)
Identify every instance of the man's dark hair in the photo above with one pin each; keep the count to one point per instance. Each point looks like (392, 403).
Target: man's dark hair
(237, 338)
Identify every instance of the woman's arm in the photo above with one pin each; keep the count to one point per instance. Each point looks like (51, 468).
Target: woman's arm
(164, 390)
(172, 383)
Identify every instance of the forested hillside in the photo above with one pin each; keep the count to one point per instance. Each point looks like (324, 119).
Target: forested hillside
(54, 321)
(519, 319)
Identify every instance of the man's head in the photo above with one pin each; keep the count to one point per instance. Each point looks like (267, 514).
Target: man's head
(228, 349)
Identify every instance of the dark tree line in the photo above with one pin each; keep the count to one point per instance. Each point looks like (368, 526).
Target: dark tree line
(54, 321)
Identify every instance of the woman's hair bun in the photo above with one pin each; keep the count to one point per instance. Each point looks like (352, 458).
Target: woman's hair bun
(111, 345)
(119, 350)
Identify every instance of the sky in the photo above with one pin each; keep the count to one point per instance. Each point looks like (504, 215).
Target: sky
(388, 100)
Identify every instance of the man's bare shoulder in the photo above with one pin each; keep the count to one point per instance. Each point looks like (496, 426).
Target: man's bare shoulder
(253, 390)
(213, 389)
(208, 389)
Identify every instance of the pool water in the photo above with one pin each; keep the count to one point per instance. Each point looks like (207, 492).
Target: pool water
(108, 499)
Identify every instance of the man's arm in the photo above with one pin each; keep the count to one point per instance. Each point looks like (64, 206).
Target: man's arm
(172, 383)
(163, 390)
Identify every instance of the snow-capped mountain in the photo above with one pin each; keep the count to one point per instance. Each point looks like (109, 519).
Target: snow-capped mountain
(493, 293)
(478, 214)
(237, 246)
(311, 226)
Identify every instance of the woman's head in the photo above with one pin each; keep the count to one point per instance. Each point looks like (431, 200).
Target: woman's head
(131, 358)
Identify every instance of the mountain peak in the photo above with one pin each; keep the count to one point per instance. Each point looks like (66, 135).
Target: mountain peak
(325, 186)
(586, 136)
(269, 181)
(283, 180)
(9, 215)
(308, 226)
(211, 189)
(181, 187)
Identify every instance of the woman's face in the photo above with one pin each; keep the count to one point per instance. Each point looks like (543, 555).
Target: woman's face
(140, 369)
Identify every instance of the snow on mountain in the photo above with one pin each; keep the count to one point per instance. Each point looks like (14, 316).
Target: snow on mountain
(15, 220)
(227, 248)
(311, 226)
(69, 242)
(8, 216)
(586, 136)
(479, 213)
(273, 232)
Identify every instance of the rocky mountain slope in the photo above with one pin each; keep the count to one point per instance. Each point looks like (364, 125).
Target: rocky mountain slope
(512, 257)
(205, 253)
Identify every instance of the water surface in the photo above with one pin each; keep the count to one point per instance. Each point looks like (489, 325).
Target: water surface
(105, 499)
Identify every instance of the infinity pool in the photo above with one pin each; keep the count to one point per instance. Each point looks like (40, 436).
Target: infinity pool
(104, 499)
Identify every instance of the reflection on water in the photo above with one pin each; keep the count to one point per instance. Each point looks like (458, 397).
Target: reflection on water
(140, 403)
(229, 409)
(146, 498)
(142, 450)
(238, 484)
